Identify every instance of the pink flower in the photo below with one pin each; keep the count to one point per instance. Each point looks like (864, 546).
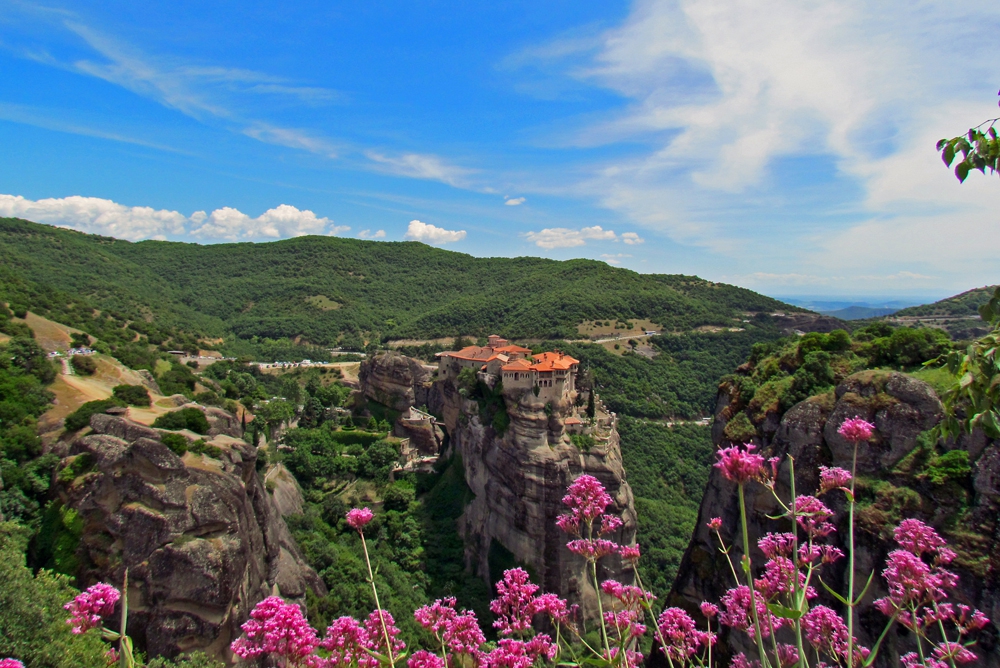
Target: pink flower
(459, 632)
(511, 653)
(788, 656)
(592, 550)
(513, 605)
(681, 637)
(826, 631)
(629, 595)
(90, 606)
(345, 641)
(627, 624)
(917, 537)
(376, 638)
(555, 607)
(812, 516)
(736, 612)
(629, 552)
(714, 524)
(357, 518)
(741, 661)
(777, 545)
(586, 498)
(438, 616)
(610, 523)
(739, 464)
(278, 628)
(953, 651)
(778, 579)
(424, 659)
(10, 663)
(856, 430)
(710, 610)
(832, 478)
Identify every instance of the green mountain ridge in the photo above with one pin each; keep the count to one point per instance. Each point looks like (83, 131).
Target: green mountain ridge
(321, 289)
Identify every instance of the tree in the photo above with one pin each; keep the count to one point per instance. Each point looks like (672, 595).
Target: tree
(84, 365)
(980, 149)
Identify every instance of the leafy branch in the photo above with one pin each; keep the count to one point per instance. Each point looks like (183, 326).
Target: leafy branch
(979, 148)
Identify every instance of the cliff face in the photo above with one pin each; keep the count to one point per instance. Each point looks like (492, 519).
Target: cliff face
(201, 539)
(893, 483)
(518, 476)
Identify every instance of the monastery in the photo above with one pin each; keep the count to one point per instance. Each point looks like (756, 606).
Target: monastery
(553, 373)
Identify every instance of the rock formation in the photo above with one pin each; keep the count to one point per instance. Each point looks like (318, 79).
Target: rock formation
(518, 472)
(893, 485)
(202, 540)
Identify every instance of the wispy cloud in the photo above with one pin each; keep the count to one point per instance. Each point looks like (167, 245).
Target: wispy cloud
(95, 215)
(431, 234)
(419, 166)
(615, 258)
(368, 234)
(513, 201)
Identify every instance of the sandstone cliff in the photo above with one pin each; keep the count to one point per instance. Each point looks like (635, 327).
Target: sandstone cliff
(518, 476)
(893, 484)
(202, 540)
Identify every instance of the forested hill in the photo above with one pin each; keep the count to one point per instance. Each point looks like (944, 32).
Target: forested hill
(964, 304)
(321, 288)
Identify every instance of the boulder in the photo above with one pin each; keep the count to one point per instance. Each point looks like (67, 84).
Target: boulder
(202, 540)
(392, 379)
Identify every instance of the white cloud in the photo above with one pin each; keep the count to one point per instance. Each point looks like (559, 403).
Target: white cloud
(96, 216)
(103, 216)
(419, 166)
(513, 201)
(418, 231)
(615, 258)
(632, 239)
(563, 237)
(367, 234)
(280, 222)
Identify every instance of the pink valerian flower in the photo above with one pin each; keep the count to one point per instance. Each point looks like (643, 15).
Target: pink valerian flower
(627, 624)
(424, 659)
(681, 637)
(586, 499)
(856, 430)
(788, 656)
(632, 657)
(610, 524)
(629, 552)
(739, 464)
(111, 655)
(777, 545)
(345, 641)
(357, 518)
(832, 478)
(629, 595)
(511, 653)
(556, 608)
(967, 623)
(10, 663)
(736, 613)
(513, 605)
(710, 610)
(911, 660)
(591, 550)
(464, 636)
(279, 628)
(88, 607)
(777, 579)
(714, 524)
(568, 524)
(437, 616)
(376, 638)
(917, 537)
(826, 631)
(741, 661)
(912, 583)
(813, 516)
(954, 651)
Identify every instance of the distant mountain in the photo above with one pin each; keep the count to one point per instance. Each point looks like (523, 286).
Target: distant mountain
(326, 290)
(859, 312)
(964, 304)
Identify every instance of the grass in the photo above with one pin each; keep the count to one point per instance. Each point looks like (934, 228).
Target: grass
(938, 378)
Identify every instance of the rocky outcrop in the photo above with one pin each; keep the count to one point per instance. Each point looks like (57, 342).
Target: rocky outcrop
(893, 484)
(518, 479)
(202, 540)
(393, 380)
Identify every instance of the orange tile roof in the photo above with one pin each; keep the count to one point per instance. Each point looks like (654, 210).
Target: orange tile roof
(572, 420)
(518, 365)
(543, 363)
(475, 353)
(513, 349)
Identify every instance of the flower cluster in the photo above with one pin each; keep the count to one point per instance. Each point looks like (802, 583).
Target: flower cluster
(587, 500)
(276, 628)
(10, 663)
(856, 430)
(740, 464)
(457, 631)
(357, 518)
(680, 637)
(89, 607)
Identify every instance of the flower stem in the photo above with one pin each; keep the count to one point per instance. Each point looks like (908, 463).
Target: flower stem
(850, 562)
(378, 606)
(753, 595)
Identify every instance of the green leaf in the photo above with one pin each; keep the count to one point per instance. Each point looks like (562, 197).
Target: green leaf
(833, 593)
(962, 171)
(948, 155)
(865, 590)
(783, 612)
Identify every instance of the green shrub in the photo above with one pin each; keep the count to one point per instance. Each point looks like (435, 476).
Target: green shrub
(177, 443)
(398, 496)
(209, 398)
(951, 466)
(133, 395)
(85, 365)
(186, 418)
(77, 466)
(582, 441)
(202, 448)
(740, 429)
(32, 620)
(80, 418)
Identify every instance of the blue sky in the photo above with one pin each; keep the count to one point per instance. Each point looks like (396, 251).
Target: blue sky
(782, 145)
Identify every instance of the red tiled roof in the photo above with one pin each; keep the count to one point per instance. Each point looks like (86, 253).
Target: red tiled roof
(572, 420)
(513, 349)
(543, 363)
(475, 353)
